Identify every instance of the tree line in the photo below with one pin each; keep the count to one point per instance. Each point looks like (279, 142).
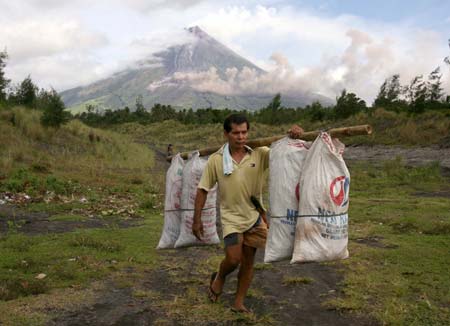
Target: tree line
(418, 96)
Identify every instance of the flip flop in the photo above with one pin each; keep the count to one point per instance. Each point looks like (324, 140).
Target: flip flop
(212, 295)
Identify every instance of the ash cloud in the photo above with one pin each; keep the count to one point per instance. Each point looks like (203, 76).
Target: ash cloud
(361, 68)
(282, 78)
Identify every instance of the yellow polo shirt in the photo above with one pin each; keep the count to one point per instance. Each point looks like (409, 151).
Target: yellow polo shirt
(238, 214)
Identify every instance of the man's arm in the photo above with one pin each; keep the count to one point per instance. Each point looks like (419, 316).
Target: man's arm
(197, 225)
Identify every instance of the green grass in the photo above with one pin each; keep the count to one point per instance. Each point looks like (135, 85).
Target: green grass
(74, 152)
(407, 282)
(296, 280)
(81, 257)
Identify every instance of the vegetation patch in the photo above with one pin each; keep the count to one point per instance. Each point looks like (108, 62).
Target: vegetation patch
(86, 241)
(296, 280)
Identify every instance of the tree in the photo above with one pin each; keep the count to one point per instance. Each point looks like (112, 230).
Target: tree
(417, 95)
(162, 112)
(348, 104)
(140, 109)
(26, 93)
(389, 96)
(434, 84)
(54, 109)
(447, 58)
(269, 114)
(318, 112)
(275, 104)
(141, 114)
(3, 81)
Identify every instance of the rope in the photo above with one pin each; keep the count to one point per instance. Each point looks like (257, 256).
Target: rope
(186, 209)
(309, 215)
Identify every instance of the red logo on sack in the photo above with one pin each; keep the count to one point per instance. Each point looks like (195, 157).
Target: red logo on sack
(339, 189)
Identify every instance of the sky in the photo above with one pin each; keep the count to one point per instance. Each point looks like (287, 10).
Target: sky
(321, 46)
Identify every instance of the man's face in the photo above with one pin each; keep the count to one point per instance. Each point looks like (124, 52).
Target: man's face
(237, 137)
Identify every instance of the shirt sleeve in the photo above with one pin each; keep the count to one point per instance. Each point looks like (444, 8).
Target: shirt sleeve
(209, 176)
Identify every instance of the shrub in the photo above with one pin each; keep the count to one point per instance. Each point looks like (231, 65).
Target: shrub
(54, 109)
(21, 180)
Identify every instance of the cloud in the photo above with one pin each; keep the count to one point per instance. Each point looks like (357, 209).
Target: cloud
(34, 38)
(142, 49)
(239, 82)
(161, 4)
(60, 72)
(140, 5)
(55, 52)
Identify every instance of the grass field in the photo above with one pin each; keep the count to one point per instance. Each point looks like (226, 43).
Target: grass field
(399, 233)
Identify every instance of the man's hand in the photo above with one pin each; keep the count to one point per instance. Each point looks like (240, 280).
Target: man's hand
(197, 225)
(197, 229)
(295, 132)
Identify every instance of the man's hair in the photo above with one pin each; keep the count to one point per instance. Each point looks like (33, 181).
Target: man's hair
(236, 118)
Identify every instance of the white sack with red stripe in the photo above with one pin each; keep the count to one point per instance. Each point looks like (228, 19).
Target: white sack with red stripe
(192, 174)
(324, 197)
(285, 166)
(172, 203)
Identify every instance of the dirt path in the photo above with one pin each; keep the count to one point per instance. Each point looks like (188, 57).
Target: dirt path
(177, 292)
(413, 156)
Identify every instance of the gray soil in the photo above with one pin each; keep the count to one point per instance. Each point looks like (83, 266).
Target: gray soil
(413, 156)
(287, 304)
(13, 218)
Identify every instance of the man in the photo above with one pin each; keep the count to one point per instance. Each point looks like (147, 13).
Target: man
(239, 172)
(169, 150)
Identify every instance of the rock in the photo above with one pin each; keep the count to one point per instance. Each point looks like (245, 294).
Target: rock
(41, 276)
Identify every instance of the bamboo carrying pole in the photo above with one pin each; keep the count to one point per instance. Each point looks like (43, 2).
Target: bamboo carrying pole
(309, 135)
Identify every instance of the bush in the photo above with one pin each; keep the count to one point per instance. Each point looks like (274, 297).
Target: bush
(54, 109)
(58, 186)
(21, 180)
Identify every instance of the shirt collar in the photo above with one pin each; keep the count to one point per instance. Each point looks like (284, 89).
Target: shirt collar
(248, 149)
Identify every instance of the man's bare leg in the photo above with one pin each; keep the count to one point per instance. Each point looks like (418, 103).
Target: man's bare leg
(233, 257)
(245, 277)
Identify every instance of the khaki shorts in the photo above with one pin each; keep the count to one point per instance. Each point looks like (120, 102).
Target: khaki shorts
(255, 237)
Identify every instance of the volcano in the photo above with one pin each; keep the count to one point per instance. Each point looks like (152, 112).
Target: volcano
(176, 76)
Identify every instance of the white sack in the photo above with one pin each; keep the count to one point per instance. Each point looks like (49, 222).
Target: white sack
(192, 174)
(172, 203)
(285, 166)
(324, 197)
